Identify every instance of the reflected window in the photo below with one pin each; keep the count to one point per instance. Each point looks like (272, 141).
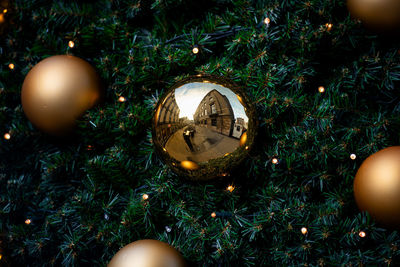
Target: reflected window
(213, 122)
(205, 112)
(213, 109)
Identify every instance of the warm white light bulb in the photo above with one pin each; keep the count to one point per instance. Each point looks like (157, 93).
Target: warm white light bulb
(304, 230)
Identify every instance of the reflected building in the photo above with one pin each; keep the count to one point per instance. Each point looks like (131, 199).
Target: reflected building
(215, 113)
(168, 119)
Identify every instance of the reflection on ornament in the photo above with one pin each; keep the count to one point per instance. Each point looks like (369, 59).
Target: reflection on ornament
(377, 186)
(240, 99)
(243, 139)
(147, 253)
(57, 91)
(201, 122)
(189, 165)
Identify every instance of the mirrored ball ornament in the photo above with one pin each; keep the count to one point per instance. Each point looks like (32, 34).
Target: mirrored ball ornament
(204, 127)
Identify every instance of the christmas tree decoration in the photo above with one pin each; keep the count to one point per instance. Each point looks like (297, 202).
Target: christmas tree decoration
(195, 50)
(4, 4)
(377, 186)
(203, 127)
(147, 253)
(71, 44)
(7, 136)
(57, 91)
(362, 234)
(304, 230)
(381, 15)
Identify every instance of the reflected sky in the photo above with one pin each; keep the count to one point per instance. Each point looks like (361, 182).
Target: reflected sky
(189, 96)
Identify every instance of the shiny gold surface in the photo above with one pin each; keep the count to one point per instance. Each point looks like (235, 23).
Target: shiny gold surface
(57, 91)
(147, 253)
(382, 15)
(377, 186)
(189, 165)
(201, 126)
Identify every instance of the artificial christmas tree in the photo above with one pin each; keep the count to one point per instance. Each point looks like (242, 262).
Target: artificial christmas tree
(326, 94)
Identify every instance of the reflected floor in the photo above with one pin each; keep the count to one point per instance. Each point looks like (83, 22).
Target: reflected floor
(207, 145)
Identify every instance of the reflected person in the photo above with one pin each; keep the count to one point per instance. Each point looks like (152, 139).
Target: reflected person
(188, 132)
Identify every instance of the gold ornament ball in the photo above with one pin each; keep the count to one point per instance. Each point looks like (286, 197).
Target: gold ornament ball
(381, 15)
(204, 127)
(57, 91)
(147, 253)
(377, 186)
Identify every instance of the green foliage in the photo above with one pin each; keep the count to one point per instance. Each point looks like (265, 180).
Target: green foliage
(84, 194)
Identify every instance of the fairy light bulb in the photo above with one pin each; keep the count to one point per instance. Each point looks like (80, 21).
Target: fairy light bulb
(275, 161)
(213, 215)
(195, 50)
(71, 44)
(267, 21)
(7, 136)
(321, 89)
(353, 156)
(362, 234)
(230, 188)
(5, 11)
(11, 66)
(28, 221)
(145, 197)
(304, 230)
(121, 99)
